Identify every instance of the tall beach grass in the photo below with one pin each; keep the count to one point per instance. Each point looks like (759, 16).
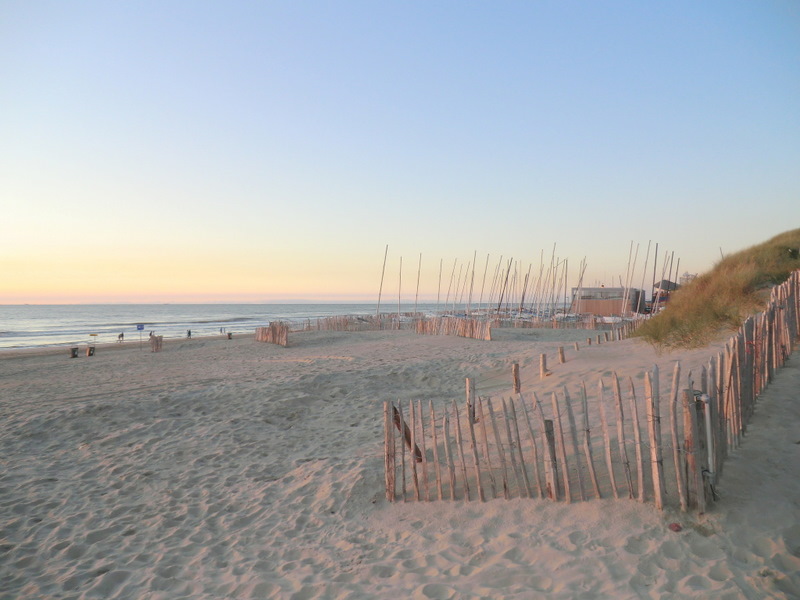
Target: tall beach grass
(719, 301)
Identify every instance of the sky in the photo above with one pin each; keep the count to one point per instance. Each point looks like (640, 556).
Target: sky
(191, 151)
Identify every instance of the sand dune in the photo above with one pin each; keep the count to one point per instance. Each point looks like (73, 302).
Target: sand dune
(232, 469)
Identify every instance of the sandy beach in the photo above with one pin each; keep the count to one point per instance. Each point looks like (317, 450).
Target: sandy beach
(235, 469)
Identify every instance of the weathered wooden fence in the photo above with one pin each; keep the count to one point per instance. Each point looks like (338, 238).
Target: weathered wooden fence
(619, 441)
(469, 328)
(275, 333)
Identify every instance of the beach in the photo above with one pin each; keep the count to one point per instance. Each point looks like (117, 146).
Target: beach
(227, 468)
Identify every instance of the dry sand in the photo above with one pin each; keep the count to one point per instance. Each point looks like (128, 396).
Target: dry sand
(232, 469)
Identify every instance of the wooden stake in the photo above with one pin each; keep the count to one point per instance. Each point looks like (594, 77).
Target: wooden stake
(606, 437)
(403, 434)
(673, 419)
(561, 447)
(451, 469)
(543, 372)
(534, 450)
(623, 451)
(500, 452)
(511, 452)
(637, 439)
(550, 465)
(561, 358)
(474, 446)
(587, 441)
(574, 439)
(412, 415)
(424, 453)
(389, 452)
(406, 433)
(459, 443)
(518, 439)
(515, 377)
(436, 462)
(486, 455)
(654, 431)
(691, 448)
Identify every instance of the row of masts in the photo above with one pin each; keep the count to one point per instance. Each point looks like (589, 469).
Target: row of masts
(515, 290)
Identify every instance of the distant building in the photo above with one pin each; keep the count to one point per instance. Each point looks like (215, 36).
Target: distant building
(607, 302)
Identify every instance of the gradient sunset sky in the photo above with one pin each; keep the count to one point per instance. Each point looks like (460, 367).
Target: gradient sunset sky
(265, 151)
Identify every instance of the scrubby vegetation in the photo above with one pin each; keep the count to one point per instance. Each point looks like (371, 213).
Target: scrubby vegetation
(720, 300)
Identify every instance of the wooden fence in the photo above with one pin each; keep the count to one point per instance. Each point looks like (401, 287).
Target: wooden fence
(275, 333)
(469, 328)
(619, 442)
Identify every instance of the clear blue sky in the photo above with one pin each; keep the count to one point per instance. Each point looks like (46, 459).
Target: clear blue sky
(168, 151)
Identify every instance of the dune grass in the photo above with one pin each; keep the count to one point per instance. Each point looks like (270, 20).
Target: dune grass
(719, 301)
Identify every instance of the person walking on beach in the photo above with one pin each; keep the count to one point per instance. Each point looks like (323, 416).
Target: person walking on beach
(189, 334)
(121, 337)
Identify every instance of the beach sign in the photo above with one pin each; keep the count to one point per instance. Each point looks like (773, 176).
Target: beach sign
(140, 327)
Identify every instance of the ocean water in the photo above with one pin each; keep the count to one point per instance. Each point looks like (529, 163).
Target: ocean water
(32, 326)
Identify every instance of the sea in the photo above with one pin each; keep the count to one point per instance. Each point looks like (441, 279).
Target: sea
(37, 326)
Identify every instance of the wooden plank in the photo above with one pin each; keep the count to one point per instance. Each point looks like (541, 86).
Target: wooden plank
(515, 377)
(587, 442)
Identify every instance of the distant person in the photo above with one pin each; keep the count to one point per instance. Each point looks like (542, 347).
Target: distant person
(189, 333)
(120, 337)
